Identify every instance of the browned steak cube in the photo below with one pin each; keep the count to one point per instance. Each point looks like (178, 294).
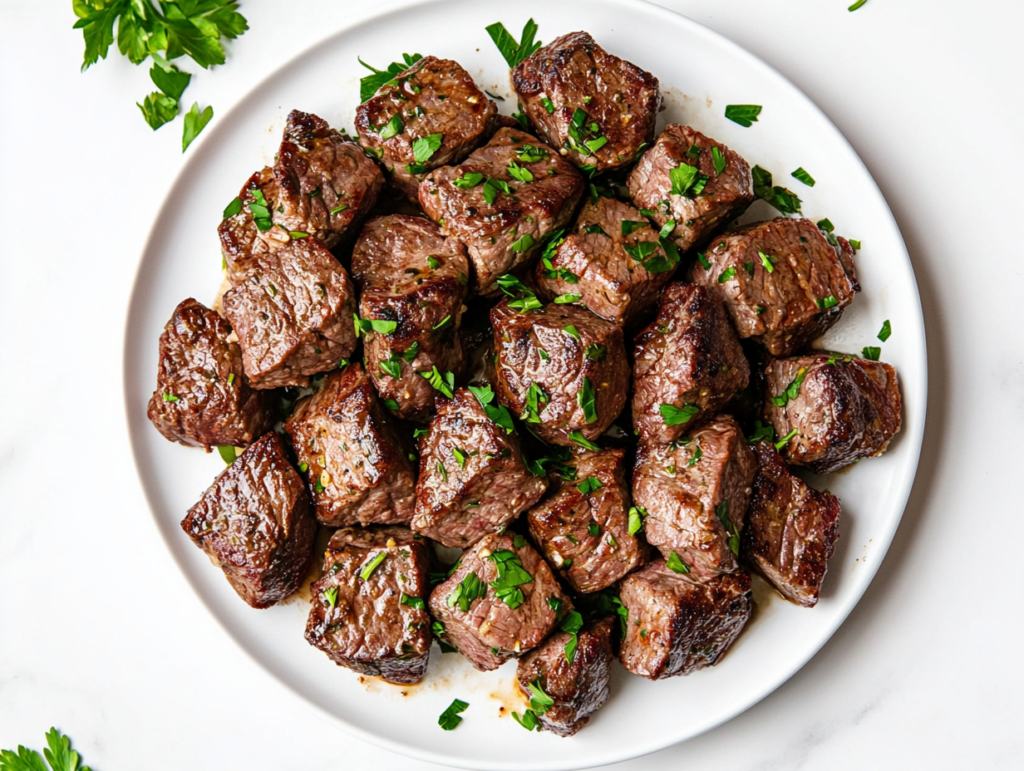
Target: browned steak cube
(410, 274)
(473, 480)
(693, 181)
(369, 607)
(255, 523)
(321, 184)
(562, 369)
(499, 602)
(678, 624)
(582, 526)
(573, 670)
(833, 408)
(293, 315)
(431, 115)
(781, 281)
(688, 364)
(202, 395)
(612, 261)
(598, 109)
(351, 453)
(502, 201)
(791, 529)
(695, 492)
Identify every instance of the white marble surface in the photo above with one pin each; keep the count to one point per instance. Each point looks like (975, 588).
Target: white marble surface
(99, 633)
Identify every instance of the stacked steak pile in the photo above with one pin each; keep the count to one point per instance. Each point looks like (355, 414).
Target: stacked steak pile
(595, 467)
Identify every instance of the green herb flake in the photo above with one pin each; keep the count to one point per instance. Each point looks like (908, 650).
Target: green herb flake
(727, 274)
(855, 244)
(528, 720)
(698, 453)
(536, 399)
(588, 486)
(331, 595)
(169, 397)
(511, 575)
(686, 180)
(785, 201)
(195, 122)
(595, 351)
(719, 159)
(731, 530)
(871, 352)
(393, 128)
(856, 5)
(519, 173)
(338, 209)
(498, 414)
(540, 702)
(677, 416)
(413, 602)
(227, 453)
(523, 244)
(469, 589)
(412, 352)
(703, 261)
(369, 85)
(676, 564)
(392, 366)
(531, 153)
(792, 390)
(785, 440)
(512, 51)
(628, 226)
(743, 114)
(451, 718)
(444, 383)
(571, 625)
(468, 180)
(424, 148)
(802, 175)
(372, 565)
(587, 399)
(567, 299)
(442, 323)
(233, 208)
(571, 330)
(885, 331)
(576, 437)
(637, 514)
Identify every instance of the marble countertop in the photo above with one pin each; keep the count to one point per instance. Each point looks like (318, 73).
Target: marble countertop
(101, 635)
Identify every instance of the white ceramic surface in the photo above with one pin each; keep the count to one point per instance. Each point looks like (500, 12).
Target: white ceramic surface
(700, 72)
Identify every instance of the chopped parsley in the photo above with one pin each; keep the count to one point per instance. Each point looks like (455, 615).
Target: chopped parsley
(698, 453)
(393, 128)
(567, 299)
(524, 298)
(531, 153)
(331, 595)
(460, 456)
(792, 390)
(571, 330)
(499, 414)
(413, 602)
(731, 530)
(412, 352)
(571, 625)
(444, 383)
(588, 401)
(528, 720)
(677, 416)
(686, 181)
(628, 226)
(494, 186)
(767, 261)
(372, 565)
(451, 718)
(443, 322)
(519, 173)
(469, 589)
(392, 366)
(743, 114)
(727, 274)
(885, 331)
(468, 180)
(637, 514)
(785, 440)
(381, 326)
(595, 351)
(540, 702)
(824, 303)
(425, 147)
(523, 244)
(785, 201)
(536, 399)
(802, 175)
(511, 575)
(676, 564)
(719, 159)
(871, 352)
(369, 85)
(576, 437)
(233, 208)
(512, 51)
(589, 485)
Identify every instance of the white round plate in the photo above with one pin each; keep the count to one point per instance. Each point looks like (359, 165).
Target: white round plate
(700, 73)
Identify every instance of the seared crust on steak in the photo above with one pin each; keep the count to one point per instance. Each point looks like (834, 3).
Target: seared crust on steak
(787, 298)
(458, 501)
(564, 334)
(593, 262)
(697, 215)
(487, 629)
(695, 492)
(791, 529)
(408, 272)
(354, 461)
(509, 230)
(293, 315)
(578, 689)
(434, 96)
(679, 624)
(688, 358)
(846, 408)
(576, 75)
(377, 624)
(586, 535)
(202, 395)
(321, 184)
(255, 523)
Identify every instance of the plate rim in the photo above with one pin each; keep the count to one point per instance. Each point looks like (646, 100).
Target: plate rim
(882, 541)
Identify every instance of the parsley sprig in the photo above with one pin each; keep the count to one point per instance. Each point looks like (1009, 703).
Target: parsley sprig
(58, 754)
(163, 31)
(512, 51)
(377, 79)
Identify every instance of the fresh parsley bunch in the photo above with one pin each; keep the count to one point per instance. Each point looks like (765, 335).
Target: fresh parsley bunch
(161, 30)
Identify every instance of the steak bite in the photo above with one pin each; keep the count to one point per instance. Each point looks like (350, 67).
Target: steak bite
(202, 396)
(409, 273)
(612, 261)
(679, 623)
(351, 453)
(561, 368)
(431, 115)
(368, 609)
(781, 281)
(678, 180)
(598, 109)
(499, 602)
(293, 315)
(321, 184)
(582, 526)
(578, 688)
(832, 408)
(695, 493)
(255, 523)
(688, 364)
(502, 201)
(791, 529)
(473, 480)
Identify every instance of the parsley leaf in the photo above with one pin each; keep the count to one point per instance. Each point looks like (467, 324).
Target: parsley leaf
(576, 437)
(676, 564)
(803, 176)
(540, 702)
(595, 351)
(451, 718)
(511, 575)
(444, 383)
(536, 399)
(637, 515)
(392, 366)
(871, 352)
(628, 226)
(686, 180)
(58, 754)
(369, 85)
(677, 416)
(372, 565)
(744, 114)
(524, 298)
(381, 326)
(523, 244)
(785, 201)
(531, 153)
(719, 159)
(394, 127)
(170, 80)
(731, 530)
(587, 399)
(158, 109)
(195, 122)
(528, 720)
(567, 299)
(469, 589)
(886, 330)
(424, 148)
(589, 485)
(519, 173)
(468, 180)
(413, 602)
(571, 625)
(514, 52)
(499, 414)
(792, 390)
